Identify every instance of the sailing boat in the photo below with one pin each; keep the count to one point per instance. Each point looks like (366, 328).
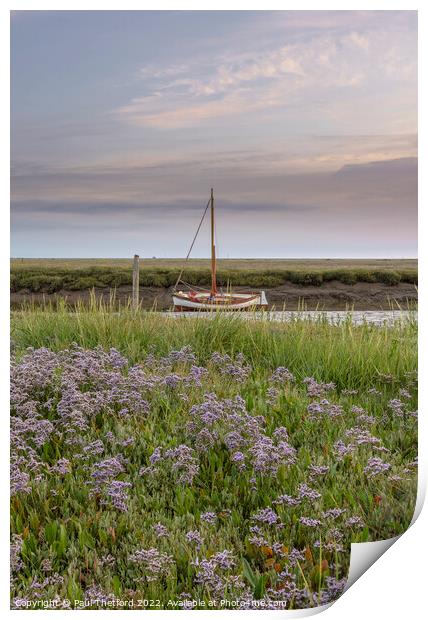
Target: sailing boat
(213, 299)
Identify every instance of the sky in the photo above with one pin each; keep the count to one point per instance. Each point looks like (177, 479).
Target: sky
(304, 122)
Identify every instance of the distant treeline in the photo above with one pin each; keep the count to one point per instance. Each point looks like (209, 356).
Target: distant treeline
(52, 280)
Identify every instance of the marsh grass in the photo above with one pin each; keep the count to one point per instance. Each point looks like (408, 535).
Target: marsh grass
(50, 277)
(342, 353)
(58, 521)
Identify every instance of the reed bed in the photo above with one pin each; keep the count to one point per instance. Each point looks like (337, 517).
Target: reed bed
(50, 279)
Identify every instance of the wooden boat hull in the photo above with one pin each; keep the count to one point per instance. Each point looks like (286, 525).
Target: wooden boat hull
(185, 301)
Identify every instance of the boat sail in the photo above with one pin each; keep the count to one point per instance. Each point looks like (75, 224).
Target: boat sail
(214, 299)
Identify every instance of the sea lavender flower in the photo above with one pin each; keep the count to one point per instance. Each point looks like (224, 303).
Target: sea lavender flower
(317, 389)
(183, 356)
(223, 559)
(184, 463)
(116, 492)
(161, 530)
(266, 515)
(334, 589)
(19, 481)
(62, 466)
(287, 500)
(304, 491)
(258, 540)
(156, 455)
(210, 572)
(172, 380)
(362, 436)
(280, 433)
(209, 517)
(15, 553)
(354, 521)
(234, 440)
(333, 513)
(46, 566)
(315, 410)
(316, 471)
(235, 369)
(196, 375)
(366, 419)
(295, 556)
(239, 459)
(95, 447)
(309, 522)
(95, 595)
(272, 394)
(187, 601)
(207, 577)
(104, 471)
(193, 536)
(331, 546)
(154, 563)
(376, 466)
(341, 449)
(396, 406)
(205, 440)
(282, 375)
(334, 411)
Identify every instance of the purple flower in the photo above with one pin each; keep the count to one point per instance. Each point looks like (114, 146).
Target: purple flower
(282, 375)
(376, 466)
(318, 470)
(15, 553)
(19, 481)
(235, 369)
(354, 522)
(309, 522)
(184, 463)
(239, 459)
(194, 536)
(116, 492)
(288, 500)
(161, 530)
(333, 513)
(210, 572)
(266, 515)
(62, 467)
(304, 491)
(209, 517)
(272, 394)
(95, 447)
(341, 449)
(154, 563)
(156, 455)
(172, 380)
(317, 389)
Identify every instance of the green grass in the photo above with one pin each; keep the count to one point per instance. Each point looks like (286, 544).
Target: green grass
(232, 264)
(51, 276)
(60, 522)
(343, 354)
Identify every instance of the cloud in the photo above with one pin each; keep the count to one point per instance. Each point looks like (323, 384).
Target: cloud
(268, 173)
(352, 187)
(233, 83)
(366, 210)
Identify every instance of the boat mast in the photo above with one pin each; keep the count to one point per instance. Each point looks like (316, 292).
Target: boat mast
(213, 264)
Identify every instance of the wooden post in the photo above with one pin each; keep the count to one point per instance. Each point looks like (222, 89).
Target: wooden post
(135, 282)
